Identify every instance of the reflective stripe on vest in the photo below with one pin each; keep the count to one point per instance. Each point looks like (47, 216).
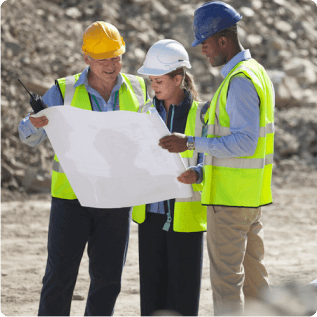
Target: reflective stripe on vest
(218, 130)
(239, 162)
(241, 181)
(70, 81)
(137, 90)
(251, 73)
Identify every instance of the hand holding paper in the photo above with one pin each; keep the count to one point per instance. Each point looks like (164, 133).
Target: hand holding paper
(39, 122)
(112, 159)
(174, 143)
(188, 177)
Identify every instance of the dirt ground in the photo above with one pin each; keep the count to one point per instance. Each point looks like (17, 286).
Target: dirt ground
(290, 239)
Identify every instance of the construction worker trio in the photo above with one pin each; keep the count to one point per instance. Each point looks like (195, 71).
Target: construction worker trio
(236, 143)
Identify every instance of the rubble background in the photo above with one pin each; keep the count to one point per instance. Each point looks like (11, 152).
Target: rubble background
(41, 41)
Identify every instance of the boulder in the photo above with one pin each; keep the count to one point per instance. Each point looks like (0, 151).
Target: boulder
(73, 13)
(283, 26)
(247, 12)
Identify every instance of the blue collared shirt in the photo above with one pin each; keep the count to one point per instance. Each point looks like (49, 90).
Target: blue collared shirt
(33, 136)
(159, 206)
(243, 108)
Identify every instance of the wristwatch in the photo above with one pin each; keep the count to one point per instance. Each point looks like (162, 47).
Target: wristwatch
(190, 143)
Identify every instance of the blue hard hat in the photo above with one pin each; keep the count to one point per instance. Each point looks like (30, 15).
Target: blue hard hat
(213, 17)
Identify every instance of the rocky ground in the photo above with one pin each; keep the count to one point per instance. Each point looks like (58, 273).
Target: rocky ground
(41, 41)
(290, 230)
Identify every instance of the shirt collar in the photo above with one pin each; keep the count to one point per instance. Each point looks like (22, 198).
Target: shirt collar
(244, 55)
(181, 109)
(84, 80)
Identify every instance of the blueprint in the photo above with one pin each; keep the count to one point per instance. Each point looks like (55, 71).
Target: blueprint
(112, 159)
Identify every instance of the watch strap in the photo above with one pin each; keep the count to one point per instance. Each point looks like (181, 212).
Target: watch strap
(190, 143)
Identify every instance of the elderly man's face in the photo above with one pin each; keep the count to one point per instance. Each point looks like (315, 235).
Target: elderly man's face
(105, 69)
(211, 47)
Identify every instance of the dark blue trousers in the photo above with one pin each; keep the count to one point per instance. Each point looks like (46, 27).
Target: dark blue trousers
(170, 267)
(71, 226)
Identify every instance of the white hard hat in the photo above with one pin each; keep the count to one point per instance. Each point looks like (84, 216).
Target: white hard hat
(163, 57)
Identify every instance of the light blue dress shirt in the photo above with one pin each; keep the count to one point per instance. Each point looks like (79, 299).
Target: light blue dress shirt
(243, 107)
(33, 136)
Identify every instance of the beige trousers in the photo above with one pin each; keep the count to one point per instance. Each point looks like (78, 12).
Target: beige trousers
(236, 251)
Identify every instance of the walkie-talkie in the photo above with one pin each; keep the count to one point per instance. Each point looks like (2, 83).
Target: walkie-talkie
(36, 101)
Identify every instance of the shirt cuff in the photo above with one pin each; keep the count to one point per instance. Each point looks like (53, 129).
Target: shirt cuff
(27, 128)
(29, 134)
(190, 139)
(199, 170)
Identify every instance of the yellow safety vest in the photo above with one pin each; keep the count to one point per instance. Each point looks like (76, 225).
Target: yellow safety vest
(131, 98)
(189, 214)
(241, 181)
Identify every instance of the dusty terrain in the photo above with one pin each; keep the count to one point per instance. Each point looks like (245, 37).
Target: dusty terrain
(41, 41)
(290, 236)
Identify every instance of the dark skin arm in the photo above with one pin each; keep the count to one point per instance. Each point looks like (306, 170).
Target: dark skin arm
(188, 177)
(174, 143)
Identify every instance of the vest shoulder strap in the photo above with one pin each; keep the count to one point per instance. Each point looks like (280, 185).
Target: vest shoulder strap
(66, 87)
(248, 72)
(138, 86)
(70, 81)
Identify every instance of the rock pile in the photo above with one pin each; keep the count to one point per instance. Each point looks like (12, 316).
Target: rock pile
(41, 41)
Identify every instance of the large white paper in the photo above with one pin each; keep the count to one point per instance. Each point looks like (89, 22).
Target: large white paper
(112, 159)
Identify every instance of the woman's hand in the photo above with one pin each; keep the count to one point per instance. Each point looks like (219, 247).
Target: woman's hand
(188, 177)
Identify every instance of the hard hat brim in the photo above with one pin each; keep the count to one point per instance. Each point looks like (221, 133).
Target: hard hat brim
(197, 42)
(151, 71)
(159, 72)
(105, 55)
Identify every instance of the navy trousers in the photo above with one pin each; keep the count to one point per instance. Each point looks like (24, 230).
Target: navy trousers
(71, 226)
(170, 268)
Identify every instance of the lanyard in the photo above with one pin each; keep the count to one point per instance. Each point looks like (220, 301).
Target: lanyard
(172, 119)
(114, 104)
(204, 131)
(169, 217)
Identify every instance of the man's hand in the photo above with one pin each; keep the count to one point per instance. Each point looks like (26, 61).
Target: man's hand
(39, 122)
(174, 143)
(188, 177)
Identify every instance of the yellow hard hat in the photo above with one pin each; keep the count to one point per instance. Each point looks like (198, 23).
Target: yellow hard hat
(102, 40)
